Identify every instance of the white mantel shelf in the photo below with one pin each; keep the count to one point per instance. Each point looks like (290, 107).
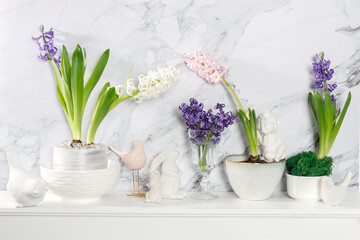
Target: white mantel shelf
(117, 204)
(279, 215)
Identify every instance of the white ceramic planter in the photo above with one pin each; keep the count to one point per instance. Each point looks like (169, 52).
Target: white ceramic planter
(253, 181)
(81, 186)
(82, 158)
(303, 188)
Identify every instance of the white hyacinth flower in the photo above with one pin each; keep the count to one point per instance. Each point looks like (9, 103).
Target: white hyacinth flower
(154, 83)
(118, 90)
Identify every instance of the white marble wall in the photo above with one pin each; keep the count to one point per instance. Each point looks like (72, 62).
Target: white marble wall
(268, 46)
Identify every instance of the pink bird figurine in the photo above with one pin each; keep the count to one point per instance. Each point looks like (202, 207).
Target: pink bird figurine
(133, 160)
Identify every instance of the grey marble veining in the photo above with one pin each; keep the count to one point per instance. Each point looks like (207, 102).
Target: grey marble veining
(268, 46)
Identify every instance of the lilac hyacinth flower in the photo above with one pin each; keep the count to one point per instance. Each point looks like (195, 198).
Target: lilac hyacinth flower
(331, 87)
(46, 45)
(323, 74)
(321, 68)
(204, 125)
(333, 99)
(318, 84)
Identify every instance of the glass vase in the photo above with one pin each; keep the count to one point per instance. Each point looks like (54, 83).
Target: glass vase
(205, 156)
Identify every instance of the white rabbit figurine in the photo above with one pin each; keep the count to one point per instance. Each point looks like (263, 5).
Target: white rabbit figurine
(272, 146)
(154, 193)
(25, 188)
(170, 174)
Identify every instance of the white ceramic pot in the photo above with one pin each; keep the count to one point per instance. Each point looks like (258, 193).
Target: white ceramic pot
(81, 158)
(253, 181)
(80, 186)
(303, 188)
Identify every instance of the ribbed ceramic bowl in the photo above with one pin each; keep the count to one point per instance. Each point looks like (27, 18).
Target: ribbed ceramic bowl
(80, 186)
(84, 158)
(253, 181)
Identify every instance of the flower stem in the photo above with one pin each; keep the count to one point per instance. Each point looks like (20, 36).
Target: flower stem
(121, 99)
(200, 159)
(203, 165)
(234, 94)
(325, 83)
(45, 43)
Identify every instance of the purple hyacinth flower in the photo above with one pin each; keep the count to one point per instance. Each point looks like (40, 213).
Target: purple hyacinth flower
(332, 87)
(323, 73)
(318, 84)
(321, 68)
(333, 99)
(205, 125)
(46, 46)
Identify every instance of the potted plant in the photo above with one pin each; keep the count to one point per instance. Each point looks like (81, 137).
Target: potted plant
(250, 176)
(204, 130)
(306, 169)
(72, 157)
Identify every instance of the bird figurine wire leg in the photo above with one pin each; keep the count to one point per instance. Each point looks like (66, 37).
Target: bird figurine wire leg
(136, 186)
(133, 160)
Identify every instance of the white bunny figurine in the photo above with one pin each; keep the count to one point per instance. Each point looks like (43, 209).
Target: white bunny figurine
(170, 174)
(272, 146)
(154, 193)
(25, 188)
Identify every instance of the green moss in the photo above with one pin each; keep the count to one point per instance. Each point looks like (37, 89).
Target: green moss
(307, 164)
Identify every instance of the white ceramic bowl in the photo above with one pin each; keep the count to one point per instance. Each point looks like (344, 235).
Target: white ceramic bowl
(80, 186)
(253, 181)
(303, 188)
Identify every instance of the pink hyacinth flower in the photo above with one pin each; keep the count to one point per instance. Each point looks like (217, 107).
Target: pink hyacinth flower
(209, 69)
(204, 65)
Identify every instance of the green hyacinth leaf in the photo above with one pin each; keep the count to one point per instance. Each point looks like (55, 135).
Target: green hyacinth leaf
(314, 108)
(65, 66)
(62, 87)
(103, 108)
(77, 88)
(322, 124)
(336, 129)
(328, 113)
(85, 59)
(253, 125)
(246, 123)
(101, 95)
(95, 76)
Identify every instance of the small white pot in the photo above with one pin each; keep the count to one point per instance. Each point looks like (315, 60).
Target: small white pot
(303, 188)
(253, 181)
(83, 158)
